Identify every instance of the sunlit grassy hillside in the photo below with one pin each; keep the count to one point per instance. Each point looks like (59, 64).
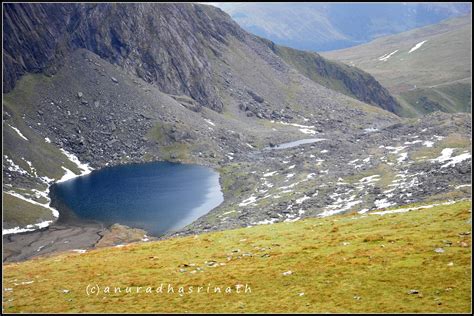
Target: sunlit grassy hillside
(418, 261)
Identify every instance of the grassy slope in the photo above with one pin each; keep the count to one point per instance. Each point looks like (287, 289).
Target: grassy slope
(440, 69)
(341, 264)
(21, 213)
(45, 157)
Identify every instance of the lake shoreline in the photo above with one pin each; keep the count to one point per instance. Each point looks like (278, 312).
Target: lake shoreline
(50, 240)
(71, 232)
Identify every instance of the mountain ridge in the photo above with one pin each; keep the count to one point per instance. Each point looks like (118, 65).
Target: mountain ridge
(183, 67)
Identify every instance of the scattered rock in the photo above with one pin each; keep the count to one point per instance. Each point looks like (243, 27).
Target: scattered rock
(211, 263)
(255, 96)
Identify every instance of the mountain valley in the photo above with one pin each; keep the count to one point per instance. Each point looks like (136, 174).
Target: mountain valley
(326, 167)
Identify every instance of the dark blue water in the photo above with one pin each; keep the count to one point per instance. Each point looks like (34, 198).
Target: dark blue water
(158, 197)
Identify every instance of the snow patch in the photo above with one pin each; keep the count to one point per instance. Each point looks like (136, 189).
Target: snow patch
(18, 132)
(428, 143)
(383, 203)
(80, 250)
(210, 122)
(28, 228)
(339, 206)
(416, 47)
(308, 131)
(445, 155)
(85, 168)
(413, 142)
(302, 199)
(250, 200)
(370, 179)
(371, 130)
(14, 167)
(266, 221)
(402, 157)
(457, 159)
(387, 56)
(68, 175)
(269, 174)
(395, 150)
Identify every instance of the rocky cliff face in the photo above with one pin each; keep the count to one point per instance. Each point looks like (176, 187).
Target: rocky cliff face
(32, 34)
(156, 42)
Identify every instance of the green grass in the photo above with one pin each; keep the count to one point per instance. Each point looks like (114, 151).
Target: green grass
(455, 97)
(158, 132)
(21, 213)
(341, 264)
(176, 152)
(316, 68)
(169, 151)
(387, 175)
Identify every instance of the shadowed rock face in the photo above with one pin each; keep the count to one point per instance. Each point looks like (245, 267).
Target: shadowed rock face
(166, 44)
(170, 45)
(31, 37)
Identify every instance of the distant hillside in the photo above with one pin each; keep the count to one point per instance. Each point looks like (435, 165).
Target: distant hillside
(428, 69)
(337, 76)
(329, 26)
